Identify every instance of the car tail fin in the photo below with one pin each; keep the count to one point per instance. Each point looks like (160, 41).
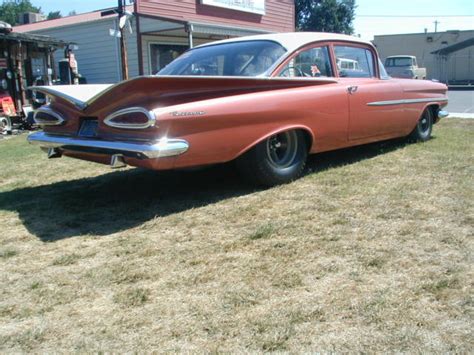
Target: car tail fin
(77, 95)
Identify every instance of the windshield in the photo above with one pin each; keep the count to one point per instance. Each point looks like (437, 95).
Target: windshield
(245, 58)
(399, 62)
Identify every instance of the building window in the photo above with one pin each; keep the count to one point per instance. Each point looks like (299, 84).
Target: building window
(163, 54)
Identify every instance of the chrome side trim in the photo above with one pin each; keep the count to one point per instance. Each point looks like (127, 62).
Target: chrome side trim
(142, 150)
(149, 114)
(46, 110)
(406, 101)
(443, 114)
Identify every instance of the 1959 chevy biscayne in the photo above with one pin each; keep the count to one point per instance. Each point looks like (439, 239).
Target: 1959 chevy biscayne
(265, 101)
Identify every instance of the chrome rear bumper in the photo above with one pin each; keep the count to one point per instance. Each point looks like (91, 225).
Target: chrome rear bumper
(136, 149)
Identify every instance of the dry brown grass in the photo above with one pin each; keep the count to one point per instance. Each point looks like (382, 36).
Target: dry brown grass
(371, 251)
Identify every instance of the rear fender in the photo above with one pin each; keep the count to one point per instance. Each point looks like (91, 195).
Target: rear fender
(305, 129)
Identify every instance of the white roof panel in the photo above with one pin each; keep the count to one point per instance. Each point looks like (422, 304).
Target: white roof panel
(294, 40)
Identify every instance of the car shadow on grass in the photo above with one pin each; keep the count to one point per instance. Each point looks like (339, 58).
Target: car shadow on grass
(121, 200)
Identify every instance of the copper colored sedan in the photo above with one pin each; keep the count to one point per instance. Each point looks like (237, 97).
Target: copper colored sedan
(265, 101)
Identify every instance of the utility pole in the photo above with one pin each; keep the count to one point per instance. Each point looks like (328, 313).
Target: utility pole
(436, 23)
(123, 46)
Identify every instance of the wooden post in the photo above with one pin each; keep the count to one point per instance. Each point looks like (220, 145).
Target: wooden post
(123, 45)
(123, 52)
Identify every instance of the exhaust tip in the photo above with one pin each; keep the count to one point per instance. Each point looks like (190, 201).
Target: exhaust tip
(117, 161)
(54, 153)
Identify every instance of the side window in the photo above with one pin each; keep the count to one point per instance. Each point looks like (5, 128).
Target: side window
(354, 62)
(310, 63)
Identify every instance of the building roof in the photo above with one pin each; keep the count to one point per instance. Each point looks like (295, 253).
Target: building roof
(33, 38)
(294, 40)
(65, 21)
(455, 47)
(422, 33)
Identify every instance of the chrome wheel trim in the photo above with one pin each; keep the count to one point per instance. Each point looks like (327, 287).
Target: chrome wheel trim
(282, 149)
(424, 123)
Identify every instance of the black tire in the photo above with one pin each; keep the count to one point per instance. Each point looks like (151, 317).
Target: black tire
(5, 125)
(279, 159)
(424, 127)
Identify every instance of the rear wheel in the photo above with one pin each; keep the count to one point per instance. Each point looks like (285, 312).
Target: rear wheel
(5, 125)
(277, 160)
(424, 127)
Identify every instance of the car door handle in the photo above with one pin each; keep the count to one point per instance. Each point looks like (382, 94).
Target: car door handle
(352, 89)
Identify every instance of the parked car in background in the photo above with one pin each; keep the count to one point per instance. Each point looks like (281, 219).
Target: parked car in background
(404, 66)
(264, 101)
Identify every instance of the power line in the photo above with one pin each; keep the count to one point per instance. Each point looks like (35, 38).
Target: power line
(440, 16)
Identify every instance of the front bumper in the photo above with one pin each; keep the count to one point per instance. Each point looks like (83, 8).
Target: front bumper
(442, 114)
(135, 149)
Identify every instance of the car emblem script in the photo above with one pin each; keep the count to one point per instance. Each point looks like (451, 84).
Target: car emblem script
(187, 113)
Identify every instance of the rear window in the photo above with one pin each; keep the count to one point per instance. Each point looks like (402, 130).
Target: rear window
(245, 58)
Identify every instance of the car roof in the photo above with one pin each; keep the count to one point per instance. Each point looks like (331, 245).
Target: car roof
(293, 40)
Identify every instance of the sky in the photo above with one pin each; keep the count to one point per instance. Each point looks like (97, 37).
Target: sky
(377, 17)
(373, 17)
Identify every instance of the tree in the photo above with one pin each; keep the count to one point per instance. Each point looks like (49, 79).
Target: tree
(72, 13)
(11, 9)
(54, 15)
(325, 15)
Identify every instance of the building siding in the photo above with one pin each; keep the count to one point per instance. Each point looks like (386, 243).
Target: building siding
(279, 14)
(98, 55)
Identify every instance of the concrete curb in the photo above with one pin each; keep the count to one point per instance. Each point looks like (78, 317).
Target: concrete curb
(461, 115)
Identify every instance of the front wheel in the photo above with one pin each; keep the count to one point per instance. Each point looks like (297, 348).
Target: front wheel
(278, 159)
(424, 127)
(5, 125)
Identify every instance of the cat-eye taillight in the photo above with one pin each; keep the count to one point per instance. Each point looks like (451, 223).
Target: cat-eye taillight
(45, 116)
(131, 118)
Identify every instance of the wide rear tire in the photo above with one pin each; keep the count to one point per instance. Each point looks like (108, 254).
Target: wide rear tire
(278, 159)
(424, 127)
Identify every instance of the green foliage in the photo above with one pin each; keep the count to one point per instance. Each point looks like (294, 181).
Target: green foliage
(11, 9)
(325, 15)
(54, 15)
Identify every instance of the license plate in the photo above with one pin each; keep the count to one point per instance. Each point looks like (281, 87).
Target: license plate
(88, 128)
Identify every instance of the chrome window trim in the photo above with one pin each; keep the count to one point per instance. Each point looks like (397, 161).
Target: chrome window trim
(406, 101)
(47, 110)
(149, 114)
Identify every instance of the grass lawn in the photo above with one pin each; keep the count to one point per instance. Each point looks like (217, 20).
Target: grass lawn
(371, 251)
